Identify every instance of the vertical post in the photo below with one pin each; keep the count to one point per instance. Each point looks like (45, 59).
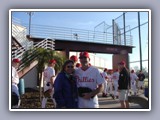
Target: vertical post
(124, 23)
(113, 29)
(140, 49)
(21, 87)
(29, 23)
(30, 16)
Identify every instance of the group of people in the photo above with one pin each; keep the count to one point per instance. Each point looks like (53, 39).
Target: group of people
(123, 82)
(111, 81)
(78, 84)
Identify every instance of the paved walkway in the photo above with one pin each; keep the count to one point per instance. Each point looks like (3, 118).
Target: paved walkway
(109, 103)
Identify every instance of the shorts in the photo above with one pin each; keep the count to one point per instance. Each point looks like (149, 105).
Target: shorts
(140, 83)
(15, 99)
(47, 85)
(123, 95)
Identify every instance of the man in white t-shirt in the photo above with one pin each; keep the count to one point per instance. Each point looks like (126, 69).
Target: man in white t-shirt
(15, 82)
(133, 78)
(89, 83)
(104, 93)
(110, 83)
(115, 79)
(49, 77)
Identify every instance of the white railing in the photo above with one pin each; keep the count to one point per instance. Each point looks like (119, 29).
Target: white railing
(47, 44)
(19, 33)
(18, 53)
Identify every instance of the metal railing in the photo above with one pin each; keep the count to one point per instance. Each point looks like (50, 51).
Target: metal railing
(18, 53)
(63, 33)
(47, 44)
(19, 32)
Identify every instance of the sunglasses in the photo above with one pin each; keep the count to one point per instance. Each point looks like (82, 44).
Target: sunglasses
(83, 57)
(69, 66)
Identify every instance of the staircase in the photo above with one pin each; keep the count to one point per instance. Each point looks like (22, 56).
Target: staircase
(30, 58)
(20, 44)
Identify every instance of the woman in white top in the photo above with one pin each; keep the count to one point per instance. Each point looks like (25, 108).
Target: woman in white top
(15, 82)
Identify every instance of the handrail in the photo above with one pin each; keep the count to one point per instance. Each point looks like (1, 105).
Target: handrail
(18, 53)
(20, 36)
(59, 33)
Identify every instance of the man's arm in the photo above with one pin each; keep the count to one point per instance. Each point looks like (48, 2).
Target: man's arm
(52, 80)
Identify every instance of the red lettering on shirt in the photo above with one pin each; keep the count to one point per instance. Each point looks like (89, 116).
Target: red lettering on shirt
(84, 79)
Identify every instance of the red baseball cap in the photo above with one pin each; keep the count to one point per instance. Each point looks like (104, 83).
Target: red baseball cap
(110, 70)
(16, 60)
(78, 65)
(73, 58)
(52, 61)
(84, 54)
(122, 63)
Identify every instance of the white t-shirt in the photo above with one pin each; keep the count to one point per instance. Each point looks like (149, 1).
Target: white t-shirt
(48, 73)
(110, 76)
(115, 76)
(133, 77)
(15, 81)
(15, 77)
(90, 78)
(104, 74)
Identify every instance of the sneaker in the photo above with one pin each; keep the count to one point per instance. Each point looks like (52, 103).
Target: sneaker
(113, 97)
(130, 93)
(103, 95)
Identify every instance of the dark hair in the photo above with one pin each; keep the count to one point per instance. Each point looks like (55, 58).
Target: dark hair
(65, 63)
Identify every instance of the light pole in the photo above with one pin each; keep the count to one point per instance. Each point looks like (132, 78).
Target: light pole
(140, 49)
(30, 16)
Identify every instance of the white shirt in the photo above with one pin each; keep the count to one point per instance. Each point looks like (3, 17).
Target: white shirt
(133, 77)
(48, 73)
(110, 76)
(15, 81)
(15, 77)
(90, 78)
(115, 76)
(104, 74)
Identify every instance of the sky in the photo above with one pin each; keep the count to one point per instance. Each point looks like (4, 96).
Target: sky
(88, 21)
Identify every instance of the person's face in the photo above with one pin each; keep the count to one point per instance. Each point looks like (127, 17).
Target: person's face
(84, 60)
(53, 64)
(120, 66)
(69, 68)
(16, 65)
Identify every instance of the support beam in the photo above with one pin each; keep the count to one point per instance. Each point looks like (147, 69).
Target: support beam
(119, 57)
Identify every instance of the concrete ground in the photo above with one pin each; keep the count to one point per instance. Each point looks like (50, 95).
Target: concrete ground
(110, 103)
